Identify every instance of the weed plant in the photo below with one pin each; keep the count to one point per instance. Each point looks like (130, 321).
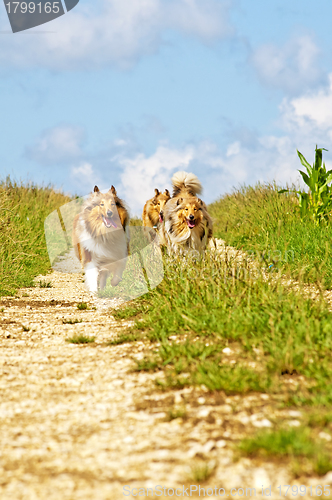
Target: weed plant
(135, 221)
(298, 445)
(174, 413)
(124, 338)
(71, 321)
(23, 253)
(80, 339)
(45, 284)
(317, 203)
(82, 306)
(201, 472)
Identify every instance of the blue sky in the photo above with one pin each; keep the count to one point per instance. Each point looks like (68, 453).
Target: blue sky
(129, 92)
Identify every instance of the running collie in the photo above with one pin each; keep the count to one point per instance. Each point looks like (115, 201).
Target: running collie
(100, 238)
(153, 209)
(187, 225)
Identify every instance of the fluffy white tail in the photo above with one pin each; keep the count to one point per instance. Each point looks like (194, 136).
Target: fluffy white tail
(189, 182)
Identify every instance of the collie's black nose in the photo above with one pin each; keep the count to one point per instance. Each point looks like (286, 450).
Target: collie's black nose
(109, 213)
(191, 217)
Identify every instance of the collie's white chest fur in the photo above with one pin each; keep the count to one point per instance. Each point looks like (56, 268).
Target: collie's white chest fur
(109, 254)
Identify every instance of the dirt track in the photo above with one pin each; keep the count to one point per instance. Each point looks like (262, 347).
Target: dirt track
(77, 423)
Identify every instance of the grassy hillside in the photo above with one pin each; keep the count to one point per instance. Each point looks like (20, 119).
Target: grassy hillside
(23, 254)
(211, 327)
(239, 333)
(208, 307)
(272, 333)
(268, 226)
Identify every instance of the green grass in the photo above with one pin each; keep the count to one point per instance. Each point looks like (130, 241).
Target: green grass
(23, 253)
(268, 226)
(280, 443)
(130, 310)
(174, 413)
(80, 339)
(273, 332)
(143, 268)
(82, 306)
(45, 284)
(135, 221)
(201, 472)
(133, 282)
(124, 338)
(71, 321)
(291, 444)
(320, 419)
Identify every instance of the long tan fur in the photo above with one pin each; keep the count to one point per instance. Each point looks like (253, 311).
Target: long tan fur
(187, 226)
(153, 209)
(186, 183)
(100, 239)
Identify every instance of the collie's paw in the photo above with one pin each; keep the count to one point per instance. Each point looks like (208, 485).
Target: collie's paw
(115, 280)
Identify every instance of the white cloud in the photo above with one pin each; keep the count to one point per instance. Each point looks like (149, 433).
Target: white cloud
(274, 159)
(313, 109)
(308, 120)
(207, 21)
(84, 177)
(292, 67)
(141, 174)
(233, 149)
(107, 32)
(56, 145)
(304, 122)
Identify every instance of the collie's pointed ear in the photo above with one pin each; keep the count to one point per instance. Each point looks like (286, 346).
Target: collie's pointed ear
(156, 191)
(113, 190)
(167, 193)
(96, 189)
(180, 200)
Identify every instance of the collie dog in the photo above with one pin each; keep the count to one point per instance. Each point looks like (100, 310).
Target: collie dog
(100, 238)
(187, 225)
(153, 209)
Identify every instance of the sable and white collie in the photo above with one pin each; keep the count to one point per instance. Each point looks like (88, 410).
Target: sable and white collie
(100, 238)
(187, 225)
(153, 209)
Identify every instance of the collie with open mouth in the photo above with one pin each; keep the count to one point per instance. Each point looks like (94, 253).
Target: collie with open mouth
(100, 238)
(187, 226)
(153, 209)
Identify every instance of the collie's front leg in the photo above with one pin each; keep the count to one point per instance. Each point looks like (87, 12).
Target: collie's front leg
(91, 277)
(117, 268)
(104, 274)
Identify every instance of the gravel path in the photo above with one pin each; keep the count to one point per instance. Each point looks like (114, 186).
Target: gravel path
(77, 423)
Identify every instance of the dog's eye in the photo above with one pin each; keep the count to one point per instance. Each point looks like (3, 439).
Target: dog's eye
(186, 209)
(102, 204)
